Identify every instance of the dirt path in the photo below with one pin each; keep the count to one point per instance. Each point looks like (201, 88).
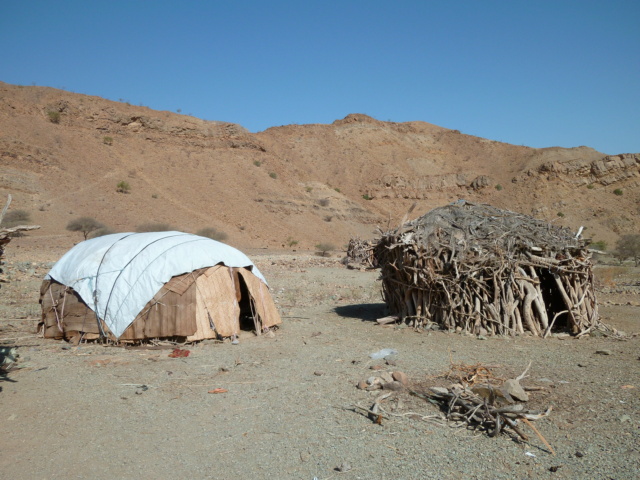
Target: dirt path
(106, 412)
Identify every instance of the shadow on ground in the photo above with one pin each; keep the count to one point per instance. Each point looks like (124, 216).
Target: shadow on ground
(367, 312)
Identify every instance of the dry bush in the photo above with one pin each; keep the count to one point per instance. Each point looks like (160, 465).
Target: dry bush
(154, 227)
(212, 233)
(325, 248)
(15, 218)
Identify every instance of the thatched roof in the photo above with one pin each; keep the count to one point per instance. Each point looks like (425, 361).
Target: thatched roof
(479, 229)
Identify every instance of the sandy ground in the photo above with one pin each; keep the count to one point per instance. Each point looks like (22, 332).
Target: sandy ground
(108, 412)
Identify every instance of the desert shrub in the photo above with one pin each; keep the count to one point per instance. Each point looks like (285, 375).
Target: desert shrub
(154, 227)
(101, 232)
(107, 140)
(212, 233)
(323, 202)
(308, 189)
(15, 218)
(337, 189)
(273, 175)
(328, 218)
(123, 187)
(499, 187)
(325, 248)
(54, 116)
(86, 225)
(599, 245)
(628, 246)
(257, 163)
(560, 214)
(154, 195)
(591, 186)
(292, 242)
(618, 192)
(367, 197)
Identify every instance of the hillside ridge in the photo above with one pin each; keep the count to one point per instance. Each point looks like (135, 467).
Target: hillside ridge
(293, 186)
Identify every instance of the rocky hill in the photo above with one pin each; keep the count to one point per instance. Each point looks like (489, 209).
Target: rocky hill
(62, 156)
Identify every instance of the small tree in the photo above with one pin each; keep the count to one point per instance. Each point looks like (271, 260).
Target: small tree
(325, 248)
(628, 246)
(86, 225)
(212, 233)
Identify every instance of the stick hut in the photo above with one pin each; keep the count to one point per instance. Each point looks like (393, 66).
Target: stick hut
(480, 269)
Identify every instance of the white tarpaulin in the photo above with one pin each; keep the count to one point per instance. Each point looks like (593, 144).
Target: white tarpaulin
(116, 275)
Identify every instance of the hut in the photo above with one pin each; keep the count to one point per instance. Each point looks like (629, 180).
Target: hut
(131, 287)
(476, 268)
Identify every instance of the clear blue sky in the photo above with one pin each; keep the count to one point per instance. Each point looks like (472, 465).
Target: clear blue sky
(537, 73)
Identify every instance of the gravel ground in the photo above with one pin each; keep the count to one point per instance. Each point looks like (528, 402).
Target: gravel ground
(109, 412)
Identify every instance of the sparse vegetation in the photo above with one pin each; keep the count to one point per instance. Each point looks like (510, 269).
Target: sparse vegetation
(560, 214)
(107, 140)
(367, 197)
(15, 218)
(54, 116)
(599, 245)
(101, 232)
(591, 186)
(337, 189)
(154, 227)
(123, 187)
(628, 246)
(323, 202)
(273, 175)
(618, 192)
(498, 187)
(328, 218)
(257, 163)
(212, 233)
(85, 225)
(154, 195)
(309, 189)
(325, 248)
(291, 242)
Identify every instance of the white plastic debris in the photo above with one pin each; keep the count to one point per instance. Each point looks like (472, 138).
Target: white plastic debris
(529, 454)
(385, 352)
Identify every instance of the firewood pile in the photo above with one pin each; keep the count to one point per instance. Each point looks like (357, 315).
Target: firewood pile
(360, 253)
(474, 398)
(6, 234)
(479, 269)
(480, 401)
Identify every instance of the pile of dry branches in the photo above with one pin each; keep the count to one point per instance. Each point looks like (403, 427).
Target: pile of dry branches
(360, 253)
(479, 269)
(487, 404)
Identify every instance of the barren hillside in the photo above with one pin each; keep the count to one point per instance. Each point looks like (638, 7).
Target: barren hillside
(62, 155)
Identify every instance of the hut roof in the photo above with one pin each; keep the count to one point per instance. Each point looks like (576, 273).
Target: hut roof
(483, 228)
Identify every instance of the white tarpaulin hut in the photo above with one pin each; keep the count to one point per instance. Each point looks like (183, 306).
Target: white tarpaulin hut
(132, 286)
